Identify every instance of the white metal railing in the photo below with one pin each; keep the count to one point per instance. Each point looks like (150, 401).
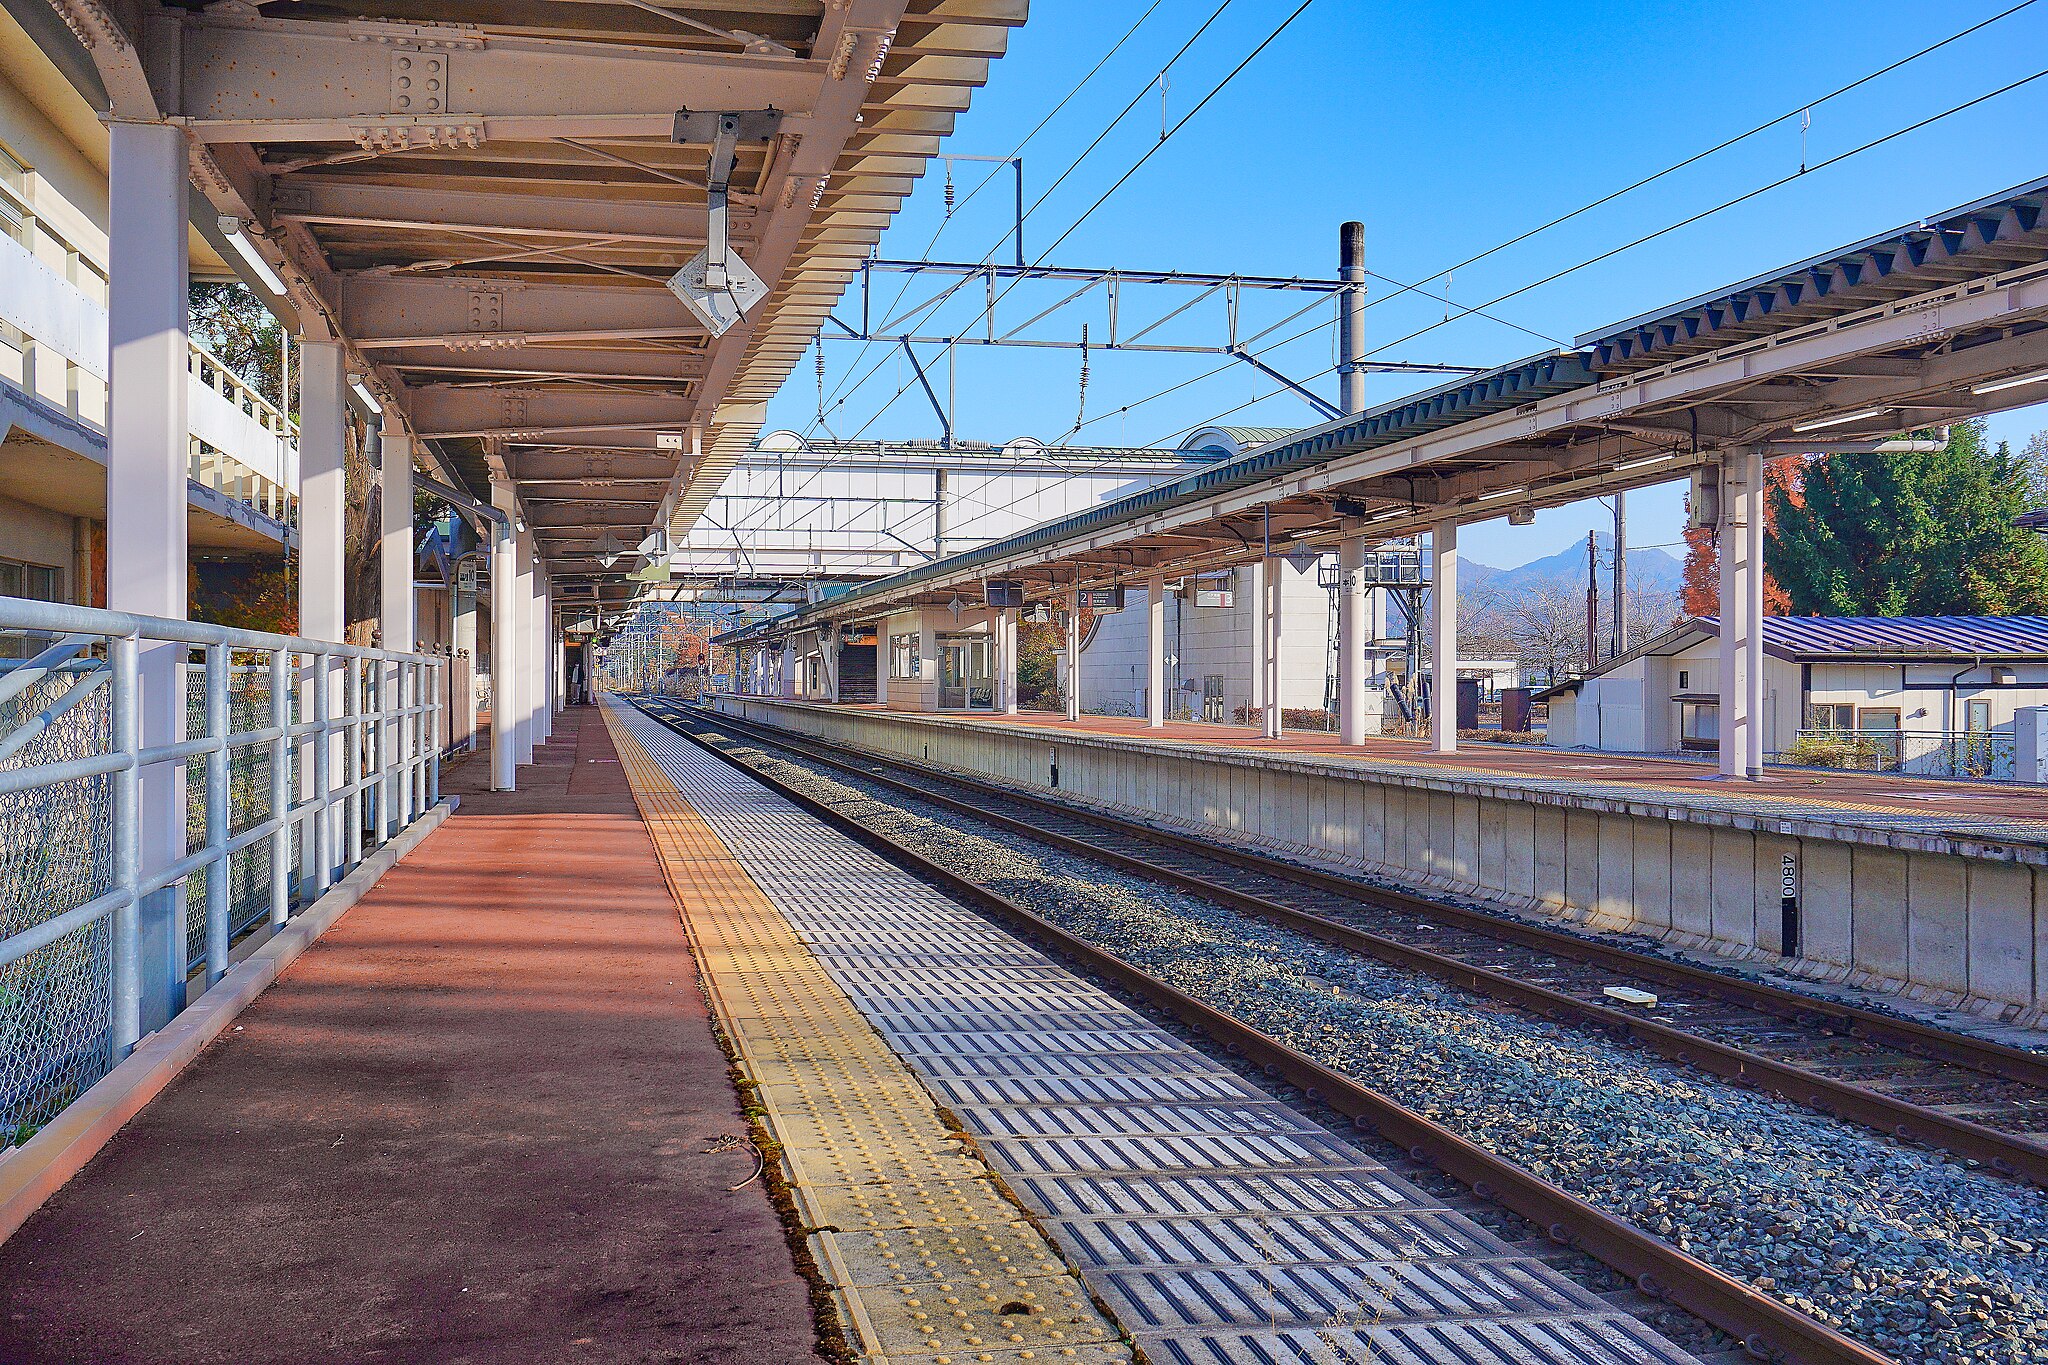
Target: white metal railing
(366, 767)
(242, 444)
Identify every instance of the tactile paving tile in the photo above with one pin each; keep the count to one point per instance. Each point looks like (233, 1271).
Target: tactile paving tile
(927, 1258)
(1218, 1224)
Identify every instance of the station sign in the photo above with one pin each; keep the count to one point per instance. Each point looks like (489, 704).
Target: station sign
(1103, 599)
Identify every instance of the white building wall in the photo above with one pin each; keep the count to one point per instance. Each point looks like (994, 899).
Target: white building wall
(39, 536)
(1632, 709)
(787, 509)
(1205, 642)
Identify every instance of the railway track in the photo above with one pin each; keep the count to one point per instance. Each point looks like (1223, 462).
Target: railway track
(1978, 1100)
(1767, 1328)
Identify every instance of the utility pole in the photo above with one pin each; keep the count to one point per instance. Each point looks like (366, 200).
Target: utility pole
(1592, 603)
(1351, 318)
(1620, 574)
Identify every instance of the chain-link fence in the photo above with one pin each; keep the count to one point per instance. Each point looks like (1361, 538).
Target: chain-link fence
(55, 1003)
(294, 763)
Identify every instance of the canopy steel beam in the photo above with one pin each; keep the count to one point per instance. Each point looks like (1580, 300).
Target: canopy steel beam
(388, 310)
(252, 79)
(433, 211)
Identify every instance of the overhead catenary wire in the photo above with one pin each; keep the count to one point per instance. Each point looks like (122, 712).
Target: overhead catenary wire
(1073, 166)
(905, 386)
(1016, 151)
(827, 404)
(1461, 311)
(1645, 238)
(1806, 108)
(1272, 36)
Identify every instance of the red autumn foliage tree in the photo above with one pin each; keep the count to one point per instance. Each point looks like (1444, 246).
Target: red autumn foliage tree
(1699, 594)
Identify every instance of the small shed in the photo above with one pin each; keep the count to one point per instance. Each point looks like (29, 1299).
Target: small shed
(1934, 694)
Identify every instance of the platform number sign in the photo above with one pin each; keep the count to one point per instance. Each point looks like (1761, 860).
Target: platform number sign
(1788, 906)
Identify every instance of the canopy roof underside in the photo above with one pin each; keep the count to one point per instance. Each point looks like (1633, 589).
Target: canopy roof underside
(484, 201)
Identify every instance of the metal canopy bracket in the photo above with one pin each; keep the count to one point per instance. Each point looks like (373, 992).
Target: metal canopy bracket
(717, 285)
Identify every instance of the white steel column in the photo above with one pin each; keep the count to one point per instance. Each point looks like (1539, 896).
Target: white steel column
(323, 503)
(462, 641)
(147, 446)
(394, 558)
(1010, 701)
(1443, 729)
(1351, 631)
(1255, 598)
(1753, 614)
(323, 491)
(1155, 651)
(521, 661)
(1269, 644)
(1074, 654)
(1739, 656)
(543, 655)
(504, 641)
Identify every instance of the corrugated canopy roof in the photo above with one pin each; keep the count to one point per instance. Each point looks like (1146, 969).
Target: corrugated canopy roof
(1961, 637)
(1996, 233)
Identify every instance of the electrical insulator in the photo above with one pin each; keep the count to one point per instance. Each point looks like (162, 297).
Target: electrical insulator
(1081, 407)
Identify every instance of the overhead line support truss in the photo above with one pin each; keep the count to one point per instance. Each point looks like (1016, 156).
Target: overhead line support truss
(1087, 280)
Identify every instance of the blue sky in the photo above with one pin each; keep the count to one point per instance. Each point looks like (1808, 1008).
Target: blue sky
(1447, 129)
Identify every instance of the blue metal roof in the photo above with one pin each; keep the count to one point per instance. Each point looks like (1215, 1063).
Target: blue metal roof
(1461, 400)
(2001, 232)
(1957, 636)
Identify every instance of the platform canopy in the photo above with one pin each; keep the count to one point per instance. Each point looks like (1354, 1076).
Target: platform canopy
(1937, 321)
(485, 201)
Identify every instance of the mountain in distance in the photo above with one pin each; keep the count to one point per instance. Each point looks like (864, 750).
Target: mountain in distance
(1650, 569)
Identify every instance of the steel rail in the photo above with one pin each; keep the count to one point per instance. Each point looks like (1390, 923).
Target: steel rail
(1768, 1329)
(2006, 1153)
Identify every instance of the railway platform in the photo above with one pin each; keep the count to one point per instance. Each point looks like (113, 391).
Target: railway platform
(1929, 890)
(484, 1117)
(1930, 806)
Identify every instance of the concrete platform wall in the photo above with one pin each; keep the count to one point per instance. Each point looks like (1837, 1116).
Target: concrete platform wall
(1935, 919)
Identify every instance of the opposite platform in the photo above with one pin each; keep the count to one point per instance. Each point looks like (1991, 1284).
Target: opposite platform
(1938, 891)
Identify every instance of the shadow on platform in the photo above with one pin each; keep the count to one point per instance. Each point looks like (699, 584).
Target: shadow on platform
(468, 1125)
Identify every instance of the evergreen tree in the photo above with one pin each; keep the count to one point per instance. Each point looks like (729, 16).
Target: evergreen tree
(1911, 535)
(235, 325)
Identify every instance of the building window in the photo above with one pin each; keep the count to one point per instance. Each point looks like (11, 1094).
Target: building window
(1684, 679)
(1824, 715)
(1977, 717)
(906, 660)
(16, 219)
(38, 583)
(1699, 725)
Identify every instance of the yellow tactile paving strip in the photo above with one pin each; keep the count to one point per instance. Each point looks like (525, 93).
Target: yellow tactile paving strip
(923, 1252)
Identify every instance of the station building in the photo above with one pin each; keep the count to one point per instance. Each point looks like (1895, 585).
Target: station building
(1923, 694)
(242, 453)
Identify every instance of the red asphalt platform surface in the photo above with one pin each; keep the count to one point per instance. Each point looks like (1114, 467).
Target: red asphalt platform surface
(1480, 760)
(468, 1125)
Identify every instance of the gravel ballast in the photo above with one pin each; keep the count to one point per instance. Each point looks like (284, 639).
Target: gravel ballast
(1903, 1249)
